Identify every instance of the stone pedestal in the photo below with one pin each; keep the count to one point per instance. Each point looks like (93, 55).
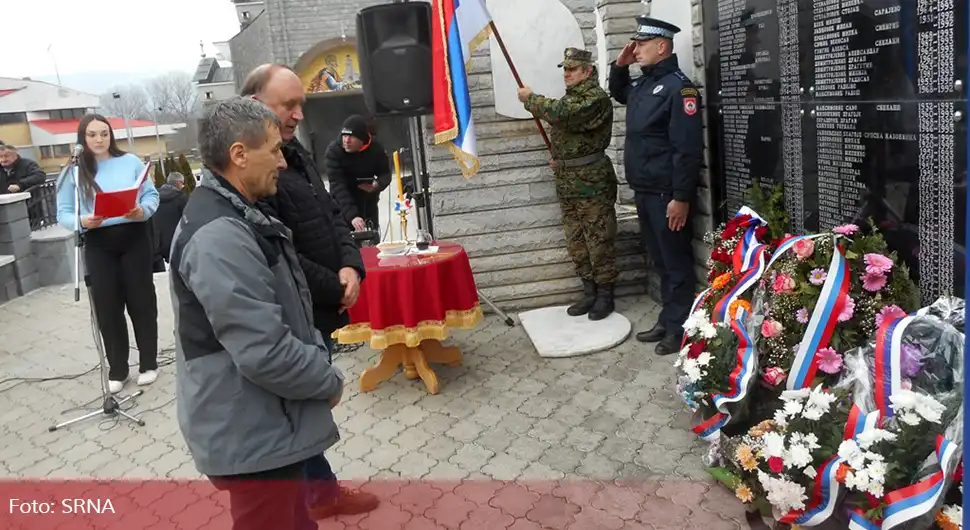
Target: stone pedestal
(54, 251)
(15, 243)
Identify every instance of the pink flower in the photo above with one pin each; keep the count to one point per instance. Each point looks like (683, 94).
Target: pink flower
(802, 315)
(776, 464)
(817, 276)
(873, 281)
(890, 312)
(784, 284)
(847, 310)
(878, 264)
(829, 361)
(775, 376)
(771, 328)
(846, 230)
(804, 248)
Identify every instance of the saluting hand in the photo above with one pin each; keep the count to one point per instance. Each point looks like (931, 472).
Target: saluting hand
(524, 93)
(627, 55)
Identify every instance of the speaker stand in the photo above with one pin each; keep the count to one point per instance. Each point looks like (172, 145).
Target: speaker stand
(419, 171)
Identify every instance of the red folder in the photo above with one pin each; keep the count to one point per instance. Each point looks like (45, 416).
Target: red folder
(119, 203)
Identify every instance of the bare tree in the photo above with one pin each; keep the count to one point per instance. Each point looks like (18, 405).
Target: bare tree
(129, 101)
(175, 94)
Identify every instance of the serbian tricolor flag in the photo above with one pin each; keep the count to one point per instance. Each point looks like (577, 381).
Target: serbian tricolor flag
(458, 28)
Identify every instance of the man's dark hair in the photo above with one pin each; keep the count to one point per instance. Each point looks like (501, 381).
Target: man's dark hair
(257, 80)
(229, 121)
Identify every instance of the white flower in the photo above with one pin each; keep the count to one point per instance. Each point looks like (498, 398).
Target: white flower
(780, 418)
(783, 494)
(872, 436)
(954, 513)
(810, 472)
(798, 456)
(818, 404)
(707, 330)
(774, 445)
(704, 358)
(795, 395)
(877, 471)
(812, 441)
(909, 418)
(853, 456)
(792, 408)
(906, 402)
(692, 370)
(695, 321)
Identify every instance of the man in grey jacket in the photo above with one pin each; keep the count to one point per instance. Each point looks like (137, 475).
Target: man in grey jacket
(254, 386)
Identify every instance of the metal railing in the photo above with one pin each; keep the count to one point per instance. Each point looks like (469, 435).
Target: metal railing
(42, 205)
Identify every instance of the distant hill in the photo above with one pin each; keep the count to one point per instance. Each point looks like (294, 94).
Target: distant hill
(99, 82)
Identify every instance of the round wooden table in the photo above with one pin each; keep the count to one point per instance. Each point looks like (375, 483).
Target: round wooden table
(407, 305)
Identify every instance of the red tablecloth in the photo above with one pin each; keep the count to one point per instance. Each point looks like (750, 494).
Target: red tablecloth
(407, 299)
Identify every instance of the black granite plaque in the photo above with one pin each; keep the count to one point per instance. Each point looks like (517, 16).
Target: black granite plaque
(858, 107)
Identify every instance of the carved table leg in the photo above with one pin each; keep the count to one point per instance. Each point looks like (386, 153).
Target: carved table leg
(434, 352)
(416, 357)
(391, 358)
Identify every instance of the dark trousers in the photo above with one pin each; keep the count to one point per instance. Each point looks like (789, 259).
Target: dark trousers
(274, 499)
(321, 481)
(673, 256)
(118, 262)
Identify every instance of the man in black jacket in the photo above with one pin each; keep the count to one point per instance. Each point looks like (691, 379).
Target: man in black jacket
(171, 203)
(359, 171)
(18, 173)
(328, 255)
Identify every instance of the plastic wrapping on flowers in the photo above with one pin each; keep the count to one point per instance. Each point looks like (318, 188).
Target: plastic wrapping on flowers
(821, 296)
(909, 381)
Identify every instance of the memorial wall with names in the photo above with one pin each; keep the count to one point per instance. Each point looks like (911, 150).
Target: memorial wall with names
(858, 107)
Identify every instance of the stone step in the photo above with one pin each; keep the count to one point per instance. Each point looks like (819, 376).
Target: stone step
(442, 185)
(490, 198)
(526, 294)
(528, 239)
(489, 146)
(549, 271)
(490, 162)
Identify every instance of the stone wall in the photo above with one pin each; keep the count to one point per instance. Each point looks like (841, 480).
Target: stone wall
(251, 48)
(18, 267)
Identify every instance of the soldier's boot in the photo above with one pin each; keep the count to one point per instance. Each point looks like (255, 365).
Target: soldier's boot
(604, 302)
(586, 303)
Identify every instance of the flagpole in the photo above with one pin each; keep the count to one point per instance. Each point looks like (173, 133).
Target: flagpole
(518, 80)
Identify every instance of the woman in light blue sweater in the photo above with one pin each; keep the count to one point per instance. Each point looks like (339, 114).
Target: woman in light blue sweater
(118, 251)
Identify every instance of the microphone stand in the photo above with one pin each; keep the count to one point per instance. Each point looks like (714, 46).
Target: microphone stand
(111, 406)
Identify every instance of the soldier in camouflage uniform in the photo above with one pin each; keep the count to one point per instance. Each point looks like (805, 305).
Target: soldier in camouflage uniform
(581, 124)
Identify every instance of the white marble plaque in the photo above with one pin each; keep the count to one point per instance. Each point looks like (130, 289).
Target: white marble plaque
(555, 334)
(535, 32)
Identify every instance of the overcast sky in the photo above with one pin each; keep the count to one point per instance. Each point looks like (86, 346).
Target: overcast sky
(137, 36)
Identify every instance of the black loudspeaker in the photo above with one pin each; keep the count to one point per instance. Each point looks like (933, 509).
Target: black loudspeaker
(394, 52)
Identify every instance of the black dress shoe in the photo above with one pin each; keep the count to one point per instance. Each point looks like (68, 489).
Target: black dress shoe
(655, 334)
(669, 345)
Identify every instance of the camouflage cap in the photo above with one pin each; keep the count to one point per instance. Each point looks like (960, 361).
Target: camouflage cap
(574, 57)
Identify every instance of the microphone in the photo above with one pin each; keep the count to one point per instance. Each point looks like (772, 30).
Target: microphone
(78, 149)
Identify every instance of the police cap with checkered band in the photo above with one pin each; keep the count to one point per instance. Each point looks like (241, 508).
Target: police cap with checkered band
(651, 28)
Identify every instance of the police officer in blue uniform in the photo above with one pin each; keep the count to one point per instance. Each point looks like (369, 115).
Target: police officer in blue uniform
(663, 156)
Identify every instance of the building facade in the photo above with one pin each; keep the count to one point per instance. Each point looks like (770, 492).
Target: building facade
(41, 120)
(507, 216)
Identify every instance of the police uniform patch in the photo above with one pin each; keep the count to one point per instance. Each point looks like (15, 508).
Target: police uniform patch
(657, 89)
(690, 106)
(690, 92)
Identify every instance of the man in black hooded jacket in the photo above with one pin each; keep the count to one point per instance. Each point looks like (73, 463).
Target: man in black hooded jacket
(359, 170)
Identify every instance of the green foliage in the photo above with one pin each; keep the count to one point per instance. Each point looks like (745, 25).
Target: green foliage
(770, 206)
(183, 165)
(157, 176)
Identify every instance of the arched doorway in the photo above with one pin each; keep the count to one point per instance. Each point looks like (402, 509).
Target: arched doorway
(330, 73)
